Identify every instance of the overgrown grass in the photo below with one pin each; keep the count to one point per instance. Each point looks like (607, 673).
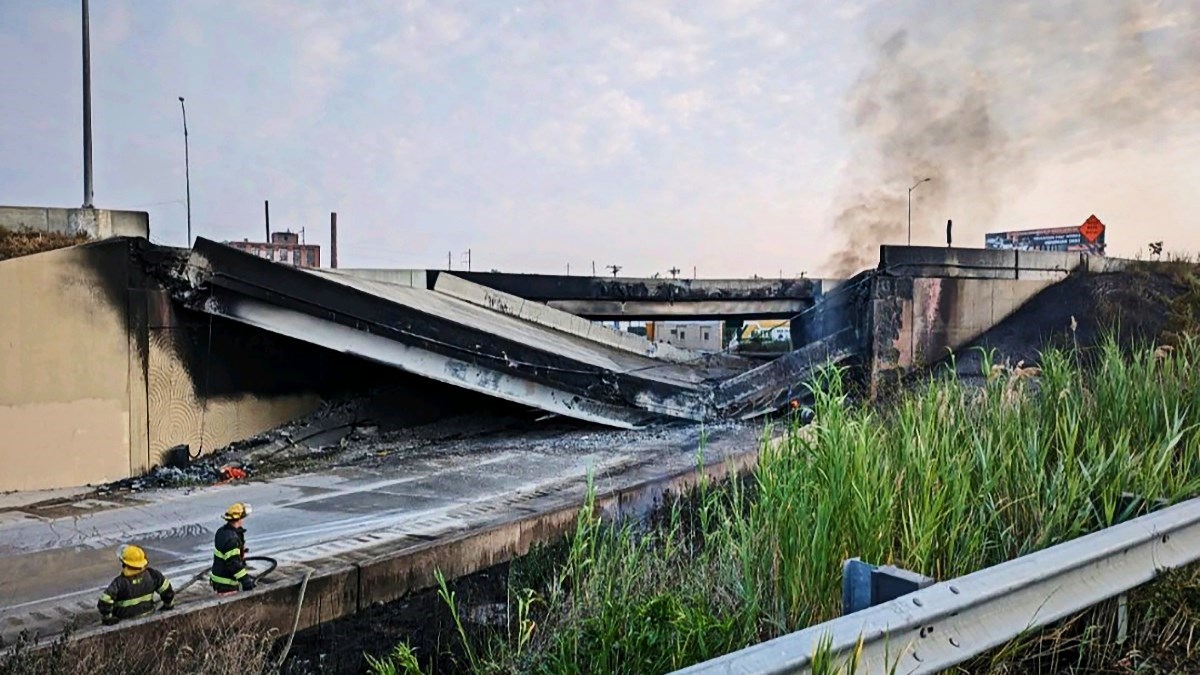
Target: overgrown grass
(947, 480)
(237, 646)
(23, 242)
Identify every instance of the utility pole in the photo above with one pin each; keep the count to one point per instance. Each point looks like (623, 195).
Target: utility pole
(267, 219)
(187, 175)
(568, 269)
(449, 260)
(914, 187)
(87, 110)
(593, 268)
(614, 268)
(674, 272)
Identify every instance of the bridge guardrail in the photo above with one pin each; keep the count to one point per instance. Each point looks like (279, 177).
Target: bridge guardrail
(952, 621)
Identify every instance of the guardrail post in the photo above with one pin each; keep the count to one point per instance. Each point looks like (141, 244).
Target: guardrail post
(865, 585)
(856, 585)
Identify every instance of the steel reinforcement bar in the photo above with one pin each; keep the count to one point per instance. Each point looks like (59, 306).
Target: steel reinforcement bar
(949, 622)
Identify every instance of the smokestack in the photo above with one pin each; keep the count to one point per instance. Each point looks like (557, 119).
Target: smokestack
(949, 227)
(267, 219)
(333, 240)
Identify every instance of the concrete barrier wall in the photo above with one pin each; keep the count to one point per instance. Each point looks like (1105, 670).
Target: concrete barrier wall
(98, 223)
(979, 263)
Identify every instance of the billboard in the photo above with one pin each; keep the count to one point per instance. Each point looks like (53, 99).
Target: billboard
(1086, 238)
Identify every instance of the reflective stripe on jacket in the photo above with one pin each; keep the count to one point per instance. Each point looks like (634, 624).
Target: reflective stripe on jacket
(229, 565)
(128, 597)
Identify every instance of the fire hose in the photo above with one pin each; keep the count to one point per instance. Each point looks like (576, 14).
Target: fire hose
(271, 565)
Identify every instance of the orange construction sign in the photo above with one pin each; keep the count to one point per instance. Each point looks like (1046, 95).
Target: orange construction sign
(1091, 229)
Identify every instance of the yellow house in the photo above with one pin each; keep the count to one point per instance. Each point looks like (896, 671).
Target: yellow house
(770, 330)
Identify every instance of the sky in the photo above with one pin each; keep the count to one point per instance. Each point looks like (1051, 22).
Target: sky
(729, 137)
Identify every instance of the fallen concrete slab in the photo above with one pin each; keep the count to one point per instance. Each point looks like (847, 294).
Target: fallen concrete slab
(446, 339)
(460, 333)
(773, 385)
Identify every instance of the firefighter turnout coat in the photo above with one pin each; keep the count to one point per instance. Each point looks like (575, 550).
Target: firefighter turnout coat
(229, 564)
(132, 594)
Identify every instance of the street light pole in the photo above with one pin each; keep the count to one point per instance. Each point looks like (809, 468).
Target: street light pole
(914, 187)
(187, 172)
(87, 110)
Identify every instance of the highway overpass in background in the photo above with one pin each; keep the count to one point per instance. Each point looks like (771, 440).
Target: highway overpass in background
(633, 299)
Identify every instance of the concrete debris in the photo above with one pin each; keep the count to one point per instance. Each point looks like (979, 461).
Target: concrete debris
(195, 475)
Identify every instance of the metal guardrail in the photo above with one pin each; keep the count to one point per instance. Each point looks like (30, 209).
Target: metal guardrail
(952, 621)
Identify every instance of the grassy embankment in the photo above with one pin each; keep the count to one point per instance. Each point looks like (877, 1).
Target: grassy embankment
(946, 480)
(15, 244)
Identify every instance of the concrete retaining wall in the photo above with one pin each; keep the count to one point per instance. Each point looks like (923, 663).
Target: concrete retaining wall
(69, 408)
(92, 388)
(927, 302)
(918, 322)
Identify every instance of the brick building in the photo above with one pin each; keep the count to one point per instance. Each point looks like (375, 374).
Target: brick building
(284, 247)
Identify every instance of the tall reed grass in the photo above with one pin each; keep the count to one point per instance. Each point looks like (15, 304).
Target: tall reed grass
(948, 479)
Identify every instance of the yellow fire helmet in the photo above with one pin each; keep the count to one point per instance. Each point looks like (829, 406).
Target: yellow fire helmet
(132, 556)
(237, 511)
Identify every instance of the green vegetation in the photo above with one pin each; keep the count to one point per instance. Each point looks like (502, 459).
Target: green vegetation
(23, 242)
(948, 479)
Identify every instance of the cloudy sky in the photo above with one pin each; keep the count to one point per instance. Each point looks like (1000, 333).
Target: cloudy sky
(738, 137)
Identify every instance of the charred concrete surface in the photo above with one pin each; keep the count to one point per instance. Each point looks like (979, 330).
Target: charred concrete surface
(370, 533)
(469, 343)
(929, 303)
(610, 299)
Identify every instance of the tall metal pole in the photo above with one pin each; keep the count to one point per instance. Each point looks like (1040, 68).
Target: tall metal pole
(87, 110)
(187, 172)
(914, 187)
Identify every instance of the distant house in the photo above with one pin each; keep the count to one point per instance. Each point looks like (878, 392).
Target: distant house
(767, 331)
(697, 335)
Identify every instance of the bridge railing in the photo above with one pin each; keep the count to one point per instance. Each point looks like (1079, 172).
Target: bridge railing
(949, 622)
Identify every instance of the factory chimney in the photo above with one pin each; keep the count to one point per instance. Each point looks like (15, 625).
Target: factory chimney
(333, 240)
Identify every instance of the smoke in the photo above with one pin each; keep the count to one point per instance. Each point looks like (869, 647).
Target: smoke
(976, 101)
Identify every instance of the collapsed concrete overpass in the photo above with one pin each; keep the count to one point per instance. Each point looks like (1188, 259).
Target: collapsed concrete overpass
(144, 348)
(449, 329)
(634, 299)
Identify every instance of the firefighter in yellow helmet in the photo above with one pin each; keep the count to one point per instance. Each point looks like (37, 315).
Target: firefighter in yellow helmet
(229, 571)
(131, 595)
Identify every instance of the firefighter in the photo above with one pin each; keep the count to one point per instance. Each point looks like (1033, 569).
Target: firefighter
(131, 595)
(229, 557)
